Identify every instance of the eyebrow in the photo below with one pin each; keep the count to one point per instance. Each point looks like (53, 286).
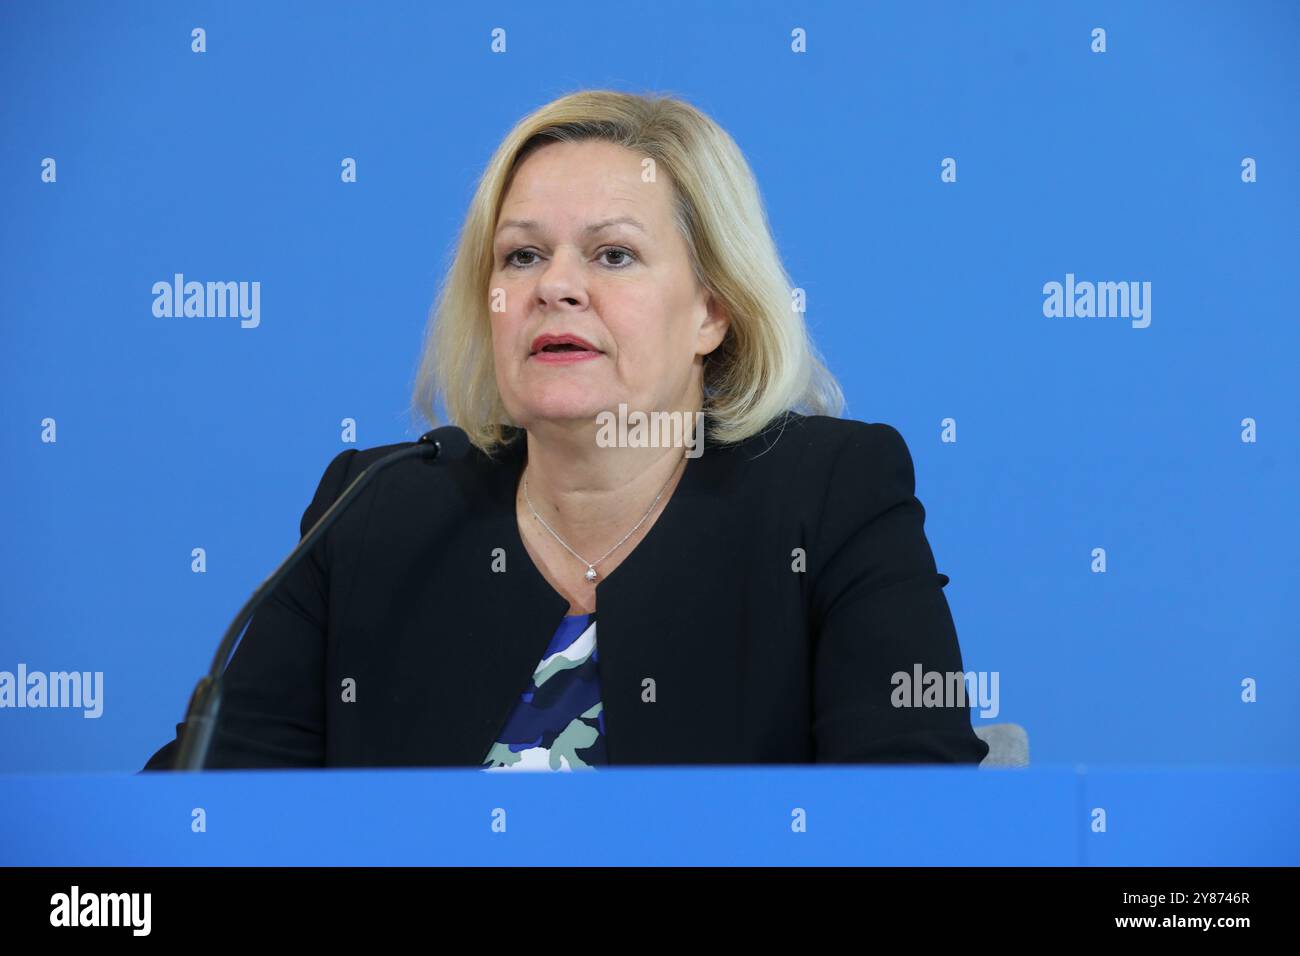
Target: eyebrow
(532, 225)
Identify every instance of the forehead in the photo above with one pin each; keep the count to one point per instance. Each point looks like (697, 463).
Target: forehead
(563, 185)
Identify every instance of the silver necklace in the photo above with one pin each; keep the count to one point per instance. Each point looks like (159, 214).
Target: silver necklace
(590, 573)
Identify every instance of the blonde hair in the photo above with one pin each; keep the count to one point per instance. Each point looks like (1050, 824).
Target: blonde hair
(766, 363)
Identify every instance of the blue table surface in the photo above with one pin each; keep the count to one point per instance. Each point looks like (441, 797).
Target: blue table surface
(851, 815)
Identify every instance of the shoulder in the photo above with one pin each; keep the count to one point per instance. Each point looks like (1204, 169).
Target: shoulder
(834, 452)
(350, 462)
(345, 466)
(341, 471)
(825, 476)
(465, 480)
(863, 517)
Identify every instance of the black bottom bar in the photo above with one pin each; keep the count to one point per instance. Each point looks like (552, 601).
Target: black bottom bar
(330, 904)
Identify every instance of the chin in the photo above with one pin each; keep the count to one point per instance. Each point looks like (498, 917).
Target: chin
(577, 408)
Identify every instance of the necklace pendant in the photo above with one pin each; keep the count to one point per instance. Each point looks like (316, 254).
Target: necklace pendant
(591, 573)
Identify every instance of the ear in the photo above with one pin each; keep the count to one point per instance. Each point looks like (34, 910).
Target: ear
(714, 327)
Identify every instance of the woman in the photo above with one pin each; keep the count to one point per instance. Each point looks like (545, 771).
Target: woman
(759, 586)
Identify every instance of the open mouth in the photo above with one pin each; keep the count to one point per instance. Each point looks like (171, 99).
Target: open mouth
(563, 348)
(564, 353)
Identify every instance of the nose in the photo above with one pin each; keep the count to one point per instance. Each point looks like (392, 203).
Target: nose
(561, 284)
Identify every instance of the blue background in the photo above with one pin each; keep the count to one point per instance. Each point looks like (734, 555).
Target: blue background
(1074, 433)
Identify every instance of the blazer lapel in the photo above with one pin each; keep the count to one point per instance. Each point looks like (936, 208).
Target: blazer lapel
(468, 615)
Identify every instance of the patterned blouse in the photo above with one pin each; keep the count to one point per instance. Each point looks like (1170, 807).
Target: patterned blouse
(558, 722)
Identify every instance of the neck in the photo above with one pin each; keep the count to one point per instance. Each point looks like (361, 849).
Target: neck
(593, 496)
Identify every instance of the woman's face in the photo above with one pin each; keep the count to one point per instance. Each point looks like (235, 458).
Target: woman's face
(563, 267)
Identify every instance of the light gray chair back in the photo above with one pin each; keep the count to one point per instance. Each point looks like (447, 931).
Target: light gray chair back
(1008, 745)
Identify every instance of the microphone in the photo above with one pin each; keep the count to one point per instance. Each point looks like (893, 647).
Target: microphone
(447, 443)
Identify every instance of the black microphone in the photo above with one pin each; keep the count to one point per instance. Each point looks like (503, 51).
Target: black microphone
(442, 444)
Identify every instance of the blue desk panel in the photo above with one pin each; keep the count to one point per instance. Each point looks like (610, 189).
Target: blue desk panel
(651, 816)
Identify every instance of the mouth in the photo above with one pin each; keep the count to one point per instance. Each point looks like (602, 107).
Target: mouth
(563, 349)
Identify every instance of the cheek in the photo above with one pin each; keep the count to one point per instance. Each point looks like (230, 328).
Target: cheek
(649, 363)
(507, 327)
(499, 329)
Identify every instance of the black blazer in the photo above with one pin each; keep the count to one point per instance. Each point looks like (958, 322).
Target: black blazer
(752, 662)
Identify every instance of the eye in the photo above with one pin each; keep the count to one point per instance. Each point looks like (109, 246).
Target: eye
(619, 252)
(510, 257)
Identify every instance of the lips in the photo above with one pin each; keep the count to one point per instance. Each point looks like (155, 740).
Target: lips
(561, 345)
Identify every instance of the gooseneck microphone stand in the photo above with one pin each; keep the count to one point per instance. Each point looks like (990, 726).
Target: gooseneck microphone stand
(441, 444)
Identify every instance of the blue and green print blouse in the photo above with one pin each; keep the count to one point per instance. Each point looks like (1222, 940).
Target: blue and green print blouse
(558, 722)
